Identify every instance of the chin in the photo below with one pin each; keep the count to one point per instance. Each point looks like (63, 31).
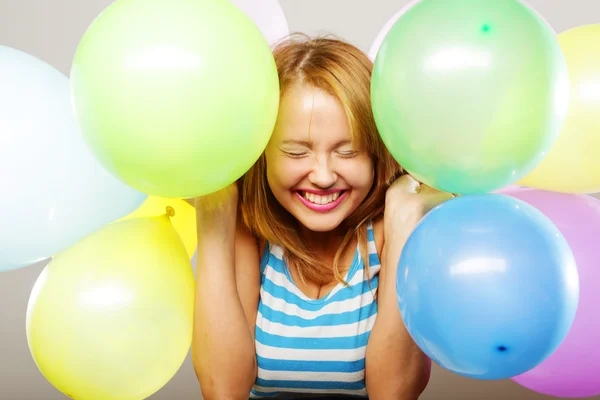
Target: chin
(319, 223)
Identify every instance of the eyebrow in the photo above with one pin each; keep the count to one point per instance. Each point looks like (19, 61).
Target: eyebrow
(308, 144)
(301, 142)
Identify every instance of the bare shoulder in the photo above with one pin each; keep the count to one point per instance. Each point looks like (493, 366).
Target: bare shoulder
(379, 236)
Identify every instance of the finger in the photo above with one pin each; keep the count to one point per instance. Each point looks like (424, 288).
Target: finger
(435, 196)
(407, 183)
(426, 189)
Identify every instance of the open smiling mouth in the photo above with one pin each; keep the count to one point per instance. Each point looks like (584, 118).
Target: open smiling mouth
(321, 203)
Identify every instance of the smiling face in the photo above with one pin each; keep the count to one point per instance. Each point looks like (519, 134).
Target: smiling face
(314, 169)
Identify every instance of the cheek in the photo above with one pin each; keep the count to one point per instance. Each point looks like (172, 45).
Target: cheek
(283, 173)
(360, 174)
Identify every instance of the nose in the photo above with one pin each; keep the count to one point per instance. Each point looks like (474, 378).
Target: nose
(323, 174)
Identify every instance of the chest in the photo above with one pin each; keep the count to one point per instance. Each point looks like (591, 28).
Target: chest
(314, 344)
(314, 290)
(303, 345)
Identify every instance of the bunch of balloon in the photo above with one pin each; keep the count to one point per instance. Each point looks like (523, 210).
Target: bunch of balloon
(166, 107)
(572, 164)
(54, 191)
(469, 96)
(111, 317)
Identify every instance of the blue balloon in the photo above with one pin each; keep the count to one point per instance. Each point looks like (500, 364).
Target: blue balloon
(487, 286)
(53, 192)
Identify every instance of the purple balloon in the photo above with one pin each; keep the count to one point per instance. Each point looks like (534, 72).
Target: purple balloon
(573, 370)
(509, 189)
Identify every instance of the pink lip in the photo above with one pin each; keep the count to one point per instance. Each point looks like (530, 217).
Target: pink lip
(321, 192)
(322, 208)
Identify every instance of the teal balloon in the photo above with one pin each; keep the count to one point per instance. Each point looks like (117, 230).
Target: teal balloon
(487, 286)
(53, 192)
(470, 95)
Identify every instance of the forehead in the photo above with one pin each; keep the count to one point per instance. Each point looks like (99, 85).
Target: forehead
(311, 114)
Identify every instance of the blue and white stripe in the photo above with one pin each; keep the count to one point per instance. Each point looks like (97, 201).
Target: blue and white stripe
(314, 346)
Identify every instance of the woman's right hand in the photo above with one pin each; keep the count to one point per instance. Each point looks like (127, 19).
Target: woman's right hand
(227, 295)
(217, 203)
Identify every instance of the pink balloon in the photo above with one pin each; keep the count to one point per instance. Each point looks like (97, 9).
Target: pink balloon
(509, 189)
(573, 370)
(386, 28)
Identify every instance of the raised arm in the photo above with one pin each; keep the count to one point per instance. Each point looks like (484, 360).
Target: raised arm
(227, 292)
(396, 369)
(395, 366)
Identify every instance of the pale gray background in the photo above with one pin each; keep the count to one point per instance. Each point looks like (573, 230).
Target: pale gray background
(51, 29)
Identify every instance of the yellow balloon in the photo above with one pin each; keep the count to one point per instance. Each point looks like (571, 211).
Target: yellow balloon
(111, 317)
(572, 164)
(184, 219)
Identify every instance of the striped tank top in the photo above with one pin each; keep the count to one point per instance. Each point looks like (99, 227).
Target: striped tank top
(314, 347)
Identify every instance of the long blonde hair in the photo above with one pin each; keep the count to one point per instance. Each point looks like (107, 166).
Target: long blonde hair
(344, 72)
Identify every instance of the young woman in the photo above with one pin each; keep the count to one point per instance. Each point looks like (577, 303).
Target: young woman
(297, 263)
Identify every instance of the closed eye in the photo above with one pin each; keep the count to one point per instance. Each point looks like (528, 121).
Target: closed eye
(348, 153)
(295, 154)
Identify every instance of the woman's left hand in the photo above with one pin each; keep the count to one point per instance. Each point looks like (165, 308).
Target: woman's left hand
(395, 366)
(407, 201)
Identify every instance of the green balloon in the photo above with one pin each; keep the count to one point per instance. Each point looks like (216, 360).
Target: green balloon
(470, 95)
(177, 98)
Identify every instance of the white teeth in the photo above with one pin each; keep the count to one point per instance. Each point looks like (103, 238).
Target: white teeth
(317, 199)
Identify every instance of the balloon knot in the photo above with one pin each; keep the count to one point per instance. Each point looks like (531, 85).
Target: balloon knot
(170, 212)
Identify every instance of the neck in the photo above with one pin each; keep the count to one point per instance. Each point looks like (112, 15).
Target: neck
(323, 242)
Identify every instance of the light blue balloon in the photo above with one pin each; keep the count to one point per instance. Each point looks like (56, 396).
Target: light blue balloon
(487, 286)
(53, 192)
